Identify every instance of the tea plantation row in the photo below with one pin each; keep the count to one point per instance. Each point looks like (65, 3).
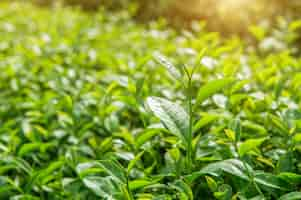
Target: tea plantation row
(96, 106)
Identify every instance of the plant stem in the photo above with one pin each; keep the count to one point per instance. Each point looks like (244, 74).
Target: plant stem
(189, 149)
(128, 188)
(190, 136)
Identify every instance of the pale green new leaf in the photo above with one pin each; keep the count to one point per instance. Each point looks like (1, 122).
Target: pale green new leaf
(145, 136)
(134, 161)
(140, 183)
(211, 88)
(291, 196)
(249, 145)
(169, 66)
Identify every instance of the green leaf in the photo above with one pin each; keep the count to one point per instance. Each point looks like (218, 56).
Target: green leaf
(31, 147)
(172, 115)
(249, 145)
(205, 120)
(278, 124)
(45, 174)
(211, 183)
(139, 183)
(134, 161)
(114, 169)
(101, 186)
(224, 192)
(235, 125)
(183, 188)
(258, 129)
(18, 163)
(269, 181)
(285, 163)
(110, 167)
(291, 196)
(211, 88)
(232, 166)
(168, 65)
(230, 134)
(145, 136)
(291, 178)
(27, 148)
(190, 178)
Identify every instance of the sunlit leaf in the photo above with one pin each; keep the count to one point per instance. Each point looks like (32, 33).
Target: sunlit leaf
(172, 115)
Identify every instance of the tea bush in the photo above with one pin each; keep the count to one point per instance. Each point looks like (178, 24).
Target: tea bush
(95, 106)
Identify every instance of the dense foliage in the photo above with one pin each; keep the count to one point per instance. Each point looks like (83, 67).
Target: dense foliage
(94, 106)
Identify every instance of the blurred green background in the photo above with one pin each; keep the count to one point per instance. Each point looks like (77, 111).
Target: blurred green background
(225, 16)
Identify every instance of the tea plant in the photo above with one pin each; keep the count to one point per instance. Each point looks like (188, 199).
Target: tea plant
(96, 106)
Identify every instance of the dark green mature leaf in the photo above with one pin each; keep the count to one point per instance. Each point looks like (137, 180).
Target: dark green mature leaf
(114, 169)
(110, 167)
(18, 163)
(102, 186)
(291, 178)
(172, 115)
(184, 189)
(232, 166)
(190, 178)
(269, 181)
(285, 163)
